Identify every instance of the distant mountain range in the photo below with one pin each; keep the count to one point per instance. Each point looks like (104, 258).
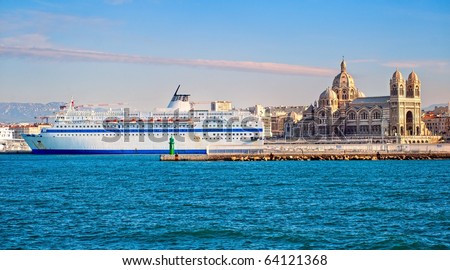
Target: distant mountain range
(12, 112)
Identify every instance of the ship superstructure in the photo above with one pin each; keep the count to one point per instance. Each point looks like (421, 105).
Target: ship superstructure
(120, 131)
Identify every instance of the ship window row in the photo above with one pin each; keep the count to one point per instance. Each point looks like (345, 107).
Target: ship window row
(227, 135)
(151, 124)
(132, 134)
(144, 134)
(115, 134)
(118, 126)
(236, 134)
(60, 126)
(227, 138)
(230, 125)
(154, 126)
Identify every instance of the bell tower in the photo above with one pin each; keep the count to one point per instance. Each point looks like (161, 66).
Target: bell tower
(413, 105)
(405, 105)
(397, 101)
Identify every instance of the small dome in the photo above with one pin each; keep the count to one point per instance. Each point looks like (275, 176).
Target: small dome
(413, 76)
(397, 75)
(328, 94)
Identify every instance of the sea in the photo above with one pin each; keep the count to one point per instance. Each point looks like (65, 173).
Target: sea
(136, 202)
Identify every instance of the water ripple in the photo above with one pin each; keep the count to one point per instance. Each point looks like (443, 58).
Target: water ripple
(137, 202)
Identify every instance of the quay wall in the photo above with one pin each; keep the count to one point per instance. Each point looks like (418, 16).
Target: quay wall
(356, 148)
(14, 147)
(307, 157)
(329, 152)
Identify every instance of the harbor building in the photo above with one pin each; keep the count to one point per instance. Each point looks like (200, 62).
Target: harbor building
(275, 118)
(6, 134)
(221, 106)
(438, 122)
(343, 112)
(11, 136)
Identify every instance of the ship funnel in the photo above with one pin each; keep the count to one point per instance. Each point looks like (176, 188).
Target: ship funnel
(179, 101)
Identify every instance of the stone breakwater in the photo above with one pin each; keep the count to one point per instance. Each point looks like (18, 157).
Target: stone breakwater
(306, 157)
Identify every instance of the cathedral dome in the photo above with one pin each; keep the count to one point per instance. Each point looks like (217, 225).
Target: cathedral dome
(397, 75)
(413, 76)
(343, 79)
(328, 95)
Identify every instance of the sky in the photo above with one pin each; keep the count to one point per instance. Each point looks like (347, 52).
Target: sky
(283, 52)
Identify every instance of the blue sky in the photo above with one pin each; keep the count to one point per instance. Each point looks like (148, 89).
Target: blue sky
(250, 52)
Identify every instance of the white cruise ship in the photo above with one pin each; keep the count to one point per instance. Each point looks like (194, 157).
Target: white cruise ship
(122, 132)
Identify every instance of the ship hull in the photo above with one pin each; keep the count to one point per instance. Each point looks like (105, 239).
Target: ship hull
(112, 152)
(49, 144)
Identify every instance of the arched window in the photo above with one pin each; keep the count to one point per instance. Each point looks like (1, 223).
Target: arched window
(417, 91)
(394, 90)
(376, 115)
(402, 92)
(410, 92)
(351, 116)
(363, 115)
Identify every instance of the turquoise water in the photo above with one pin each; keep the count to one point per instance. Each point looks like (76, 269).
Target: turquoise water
(138, 202)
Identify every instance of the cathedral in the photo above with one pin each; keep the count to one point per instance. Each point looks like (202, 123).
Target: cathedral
(343, 112)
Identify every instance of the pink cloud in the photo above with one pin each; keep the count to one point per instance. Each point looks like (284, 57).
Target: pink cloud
(81, 55)
(27, 40)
